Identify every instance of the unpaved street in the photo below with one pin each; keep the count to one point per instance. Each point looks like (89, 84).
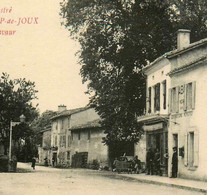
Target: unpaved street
(49, 181)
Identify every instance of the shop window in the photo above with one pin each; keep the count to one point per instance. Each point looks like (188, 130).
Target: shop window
(56, 140)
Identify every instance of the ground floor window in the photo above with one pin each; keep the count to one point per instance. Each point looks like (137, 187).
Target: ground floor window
(192, 149)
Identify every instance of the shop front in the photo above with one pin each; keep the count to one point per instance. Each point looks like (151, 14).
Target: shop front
(156, 131)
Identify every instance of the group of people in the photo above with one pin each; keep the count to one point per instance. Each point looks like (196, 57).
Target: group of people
(153, 162)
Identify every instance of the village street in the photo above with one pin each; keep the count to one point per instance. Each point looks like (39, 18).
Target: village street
(47, 180)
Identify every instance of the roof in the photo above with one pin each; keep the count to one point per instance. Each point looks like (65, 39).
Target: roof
(90, 124)
(176, 52)
(47, 128)
(189, 65)
(68, 112)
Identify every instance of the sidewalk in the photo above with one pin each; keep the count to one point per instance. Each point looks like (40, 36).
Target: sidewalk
(199, 186)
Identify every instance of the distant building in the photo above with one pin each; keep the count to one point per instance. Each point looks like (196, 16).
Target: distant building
(87, 148)
(44, 151)
(61, 135)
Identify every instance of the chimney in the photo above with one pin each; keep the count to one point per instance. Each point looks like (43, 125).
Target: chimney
(183, 38)
(62, 108)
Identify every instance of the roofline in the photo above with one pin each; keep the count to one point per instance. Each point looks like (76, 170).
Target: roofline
(189, 65)
(69, 114)
(174, 53)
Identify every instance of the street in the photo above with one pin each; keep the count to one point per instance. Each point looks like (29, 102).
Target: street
(47, 180)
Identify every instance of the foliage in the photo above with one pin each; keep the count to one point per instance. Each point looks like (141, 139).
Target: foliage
(117, 39)
(192, 15)
(15, 99)
(41, 123)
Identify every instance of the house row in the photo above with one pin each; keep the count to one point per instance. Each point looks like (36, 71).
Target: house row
(75, 139)
(176, 107)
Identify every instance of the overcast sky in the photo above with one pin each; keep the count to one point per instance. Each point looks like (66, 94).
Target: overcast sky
(43, 53)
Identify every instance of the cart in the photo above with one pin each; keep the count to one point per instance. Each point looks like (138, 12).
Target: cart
(125, 164)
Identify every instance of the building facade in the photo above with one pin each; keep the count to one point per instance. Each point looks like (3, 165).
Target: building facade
(175, 107)
(188, 107)
(61, 135)
(87, 148)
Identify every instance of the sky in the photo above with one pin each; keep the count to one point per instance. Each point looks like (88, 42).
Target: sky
(41, 52)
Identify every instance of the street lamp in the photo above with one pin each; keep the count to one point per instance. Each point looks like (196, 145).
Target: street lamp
(12, 124)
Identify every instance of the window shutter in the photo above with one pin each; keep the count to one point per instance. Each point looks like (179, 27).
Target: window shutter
(193, 94)
(177, 98)
(196, 149)
(186, 150)
(185, 98)
(158, 98)
(169, 101)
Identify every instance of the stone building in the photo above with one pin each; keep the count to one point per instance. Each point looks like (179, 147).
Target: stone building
(87, 148)
(61, 135)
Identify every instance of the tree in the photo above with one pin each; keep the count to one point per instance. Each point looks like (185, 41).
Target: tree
(192, 15)
(117, 39)
(15, 99)
(41, 123)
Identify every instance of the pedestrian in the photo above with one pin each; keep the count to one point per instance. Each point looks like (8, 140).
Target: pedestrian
(149, 161)
(137, 165)
(115, 164)
(157, 163)
(174, 163)
(46, 162)
(33, 162)
(53, 161)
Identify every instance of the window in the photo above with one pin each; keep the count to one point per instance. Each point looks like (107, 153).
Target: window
(191, 149)
(164, 94)
(69, 140)
(79, 135)
(62, 124)
(68, 155)
(89, 134)
(157, 97)
(64, 141)
(189, 96)
(56, 140)
(173, 99)
(149, 100)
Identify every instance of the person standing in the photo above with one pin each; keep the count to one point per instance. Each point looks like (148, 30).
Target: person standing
(33, 162)
(149, 161)
(157, 163)
(174, 163)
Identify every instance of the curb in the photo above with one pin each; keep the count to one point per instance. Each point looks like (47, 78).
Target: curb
(143, 180)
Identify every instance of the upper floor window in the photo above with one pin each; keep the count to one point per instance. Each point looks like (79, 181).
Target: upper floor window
(62, 124)
(157, 97)
(149, 99)
(164, 87)
(89, 134)
(79, 135)
(182, 97)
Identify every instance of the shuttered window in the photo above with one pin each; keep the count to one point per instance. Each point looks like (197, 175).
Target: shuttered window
(164, 94)
(191, 157)
(157, 97)
(149, 99)
(190, 92)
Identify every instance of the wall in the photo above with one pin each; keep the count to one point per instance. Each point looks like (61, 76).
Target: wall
(94, 146)
(157, 74)
(140, 148)
(194, 120)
